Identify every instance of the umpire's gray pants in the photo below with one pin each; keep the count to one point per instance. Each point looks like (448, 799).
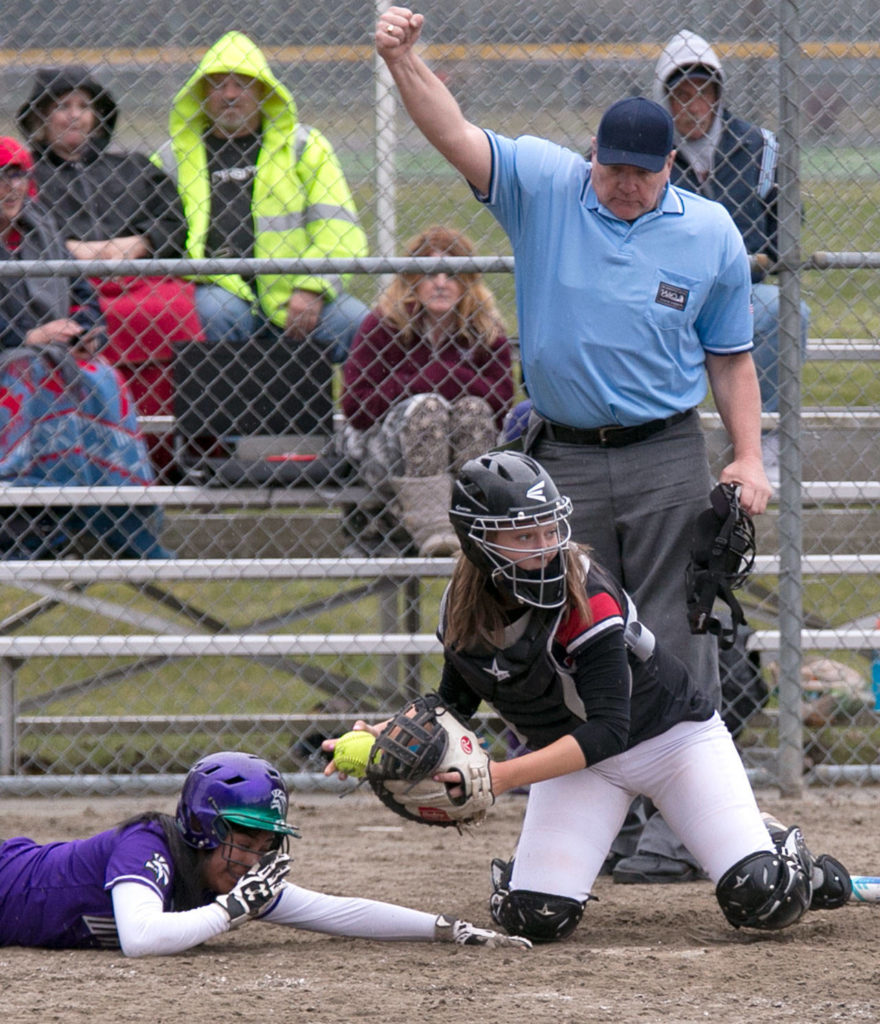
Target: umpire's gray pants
(635, 507)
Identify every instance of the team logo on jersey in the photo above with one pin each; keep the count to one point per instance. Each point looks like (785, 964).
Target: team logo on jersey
(159, 866)
(672, 296)
(497, 671)
(536, 491)
(279, 802)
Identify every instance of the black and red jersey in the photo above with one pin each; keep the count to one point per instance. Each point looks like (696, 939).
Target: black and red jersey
(604, 680)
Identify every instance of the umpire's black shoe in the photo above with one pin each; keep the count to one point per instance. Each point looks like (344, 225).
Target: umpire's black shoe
(652, 869)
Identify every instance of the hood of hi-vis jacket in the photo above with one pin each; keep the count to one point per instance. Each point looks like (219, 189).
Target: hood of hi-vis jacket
(236, 54)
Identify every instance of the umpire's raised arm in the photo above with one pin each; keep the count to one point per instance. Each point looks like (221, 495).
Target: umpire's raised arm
(430, 104)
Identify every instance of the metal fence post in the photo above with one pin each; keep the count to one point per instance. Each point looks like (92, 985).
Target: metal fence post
(8, 753)
(386, 146)
(790, 752)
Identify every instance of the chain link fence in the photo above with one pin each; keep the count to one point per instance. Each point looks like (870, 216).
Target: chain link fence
(271, 593)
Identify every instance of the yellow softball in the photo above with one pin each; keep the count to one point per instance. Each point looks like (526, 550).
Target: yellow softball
(352, 752)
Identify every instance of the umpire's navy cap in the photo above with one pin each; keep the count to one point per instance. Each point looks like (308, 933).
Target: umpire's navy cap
(635, 131)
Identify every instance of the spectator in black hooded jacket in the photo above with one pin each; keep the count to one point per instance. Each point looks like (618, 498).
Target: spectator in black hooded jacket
(113, 205)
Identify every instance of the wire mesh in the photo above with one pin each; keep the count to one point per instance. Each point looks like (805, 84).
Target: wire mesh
(256, 462)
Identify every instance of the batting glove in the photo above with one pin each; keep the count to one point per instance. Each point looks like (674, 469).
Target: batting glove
(463, 933)
(255, 888)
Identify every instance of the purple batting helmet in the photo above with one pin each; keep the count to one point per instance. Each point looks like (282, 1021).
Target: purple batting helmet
(231, 788)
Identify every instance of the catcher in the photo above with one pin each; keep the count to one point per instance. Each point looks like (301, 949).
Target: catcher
(158, 884)
(530, 624)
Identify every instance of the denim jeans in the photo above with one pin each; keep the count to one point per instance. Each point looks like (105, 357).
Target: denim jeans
(765, 300)
(225, 316)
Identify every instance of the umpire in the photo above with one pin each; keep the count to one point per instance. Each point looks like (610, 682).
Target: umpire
(630, 293)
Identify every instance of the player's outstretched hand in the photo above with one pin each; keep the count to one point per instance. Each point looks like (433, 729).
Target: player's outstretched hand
(255, 888)
(463, 933)
(328, 746)
(396, 33)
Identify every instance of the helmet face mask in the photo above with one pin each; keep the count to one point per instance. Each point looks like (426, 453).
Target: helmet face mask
(503, 491)
(542, 586)
(238, 844)
(232, 791)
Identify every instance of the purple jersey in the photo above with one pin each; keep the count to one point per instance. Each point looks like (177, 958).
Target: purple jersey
(58, 895)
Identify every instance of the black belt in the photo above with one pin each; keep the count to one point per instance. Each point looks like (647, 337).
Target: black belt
(612, 436)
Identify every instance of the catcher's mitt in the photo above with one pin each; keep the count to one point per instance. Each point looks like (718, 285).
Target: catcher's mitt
(423, 740)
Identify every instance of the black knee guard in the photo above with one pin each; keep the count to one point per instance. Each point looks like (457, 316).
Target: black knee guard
(539, 916)
(832, 886)
(764, 890)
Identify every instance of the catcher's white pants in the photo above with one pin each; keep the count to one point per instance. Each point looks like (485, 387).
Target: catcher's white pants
(693, 774)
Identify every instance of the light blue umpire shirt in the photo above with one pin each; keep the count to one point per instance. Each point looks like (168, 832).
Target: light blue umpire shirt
(615, 318)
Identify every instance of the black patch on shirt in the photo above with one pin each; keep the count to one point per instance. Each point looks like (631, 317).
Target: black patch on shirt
(232, 166)
(671, 295)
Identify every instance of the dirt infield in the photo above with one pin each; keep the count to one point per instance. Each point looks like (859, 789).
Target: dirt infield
(642, 954)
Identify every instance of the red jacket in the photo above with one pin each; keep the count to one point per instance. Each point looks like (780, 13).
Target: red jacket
(381, 369)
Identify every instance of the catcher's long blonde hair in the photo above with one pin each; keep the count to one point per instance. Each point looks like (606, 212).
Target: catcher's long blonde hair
(476, 316)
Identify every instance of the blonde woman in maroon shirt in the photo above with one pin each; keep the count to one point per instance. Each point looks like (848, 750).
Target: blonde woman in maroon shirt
(426, 386)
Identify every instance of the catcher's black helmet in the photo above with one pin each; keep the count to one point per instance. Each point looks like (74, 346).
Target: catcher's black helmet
(507, 490)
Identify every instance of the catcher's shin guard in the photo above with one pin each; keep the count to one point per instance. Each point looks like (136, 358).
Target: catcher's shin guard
(499, 874)
(831, 886)
(539, 916)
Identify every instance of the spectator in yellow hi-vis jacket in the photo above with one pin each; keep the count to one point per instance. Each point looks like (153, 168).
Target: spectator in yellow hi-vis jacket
(255, 182)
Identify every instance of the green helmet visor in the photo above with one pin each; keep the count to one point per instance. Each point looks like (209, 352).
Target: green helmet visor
(261, 820)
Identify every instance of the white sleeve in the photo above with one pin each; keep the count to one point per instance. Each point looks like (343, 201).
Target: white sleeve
(146, 929)
(351, 916)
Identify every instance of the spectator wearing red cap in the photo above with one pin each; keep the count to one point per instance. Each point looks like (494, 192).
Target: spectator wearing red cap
(36, 310)
(65, 414)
